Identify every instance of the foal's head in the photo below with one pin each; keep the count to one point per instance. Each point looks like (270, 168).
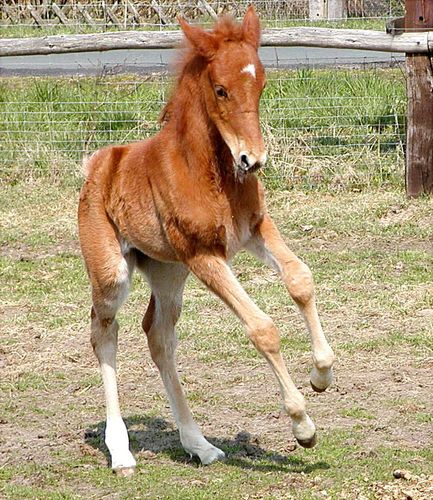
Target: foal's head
(232, 85)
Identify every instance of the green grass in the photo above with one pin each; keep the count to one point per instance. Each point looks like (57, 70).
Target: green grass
(322, 132)
(337, 466)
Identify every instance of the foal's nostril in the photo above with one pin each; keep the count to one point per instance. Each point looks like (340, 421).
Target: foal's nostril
(244, 161)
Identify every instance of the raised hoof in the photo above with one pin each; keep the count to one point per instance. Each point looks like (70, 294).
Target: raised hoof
(308, 443)
(317, 389)
(124, 471)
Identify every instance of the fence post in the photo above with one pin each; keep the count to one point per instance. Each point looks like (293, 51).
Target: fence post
(327, 9)
(337, 9)
(419, 136)
(318, 9)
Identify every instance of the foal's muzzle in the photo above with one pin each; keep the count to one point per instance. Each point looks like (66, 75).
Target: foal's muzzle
(249, 163)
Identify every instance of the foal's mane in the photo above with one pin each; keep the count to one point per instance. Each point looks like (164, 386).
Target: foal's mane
(191, 62)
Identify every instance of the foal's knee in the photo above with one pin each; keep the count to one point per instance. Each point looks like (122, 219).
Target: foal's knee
(265, 337)
(299, 282)
(104, 330)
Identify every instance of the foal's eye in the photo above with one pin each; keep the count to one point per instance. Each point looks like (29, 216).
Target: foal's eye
(220, 91)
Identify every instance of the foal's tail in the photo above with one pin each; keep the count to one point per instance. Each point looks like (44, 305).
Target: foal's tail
(88, 162)
(85, 166)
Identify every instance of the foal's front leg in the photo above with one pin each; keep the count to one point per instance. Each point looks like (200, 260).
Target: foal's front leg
(268, 245)
(217, 275)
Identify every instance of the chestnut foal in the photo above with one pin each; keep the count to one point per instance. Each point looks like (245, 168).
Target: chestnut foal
(187, 200)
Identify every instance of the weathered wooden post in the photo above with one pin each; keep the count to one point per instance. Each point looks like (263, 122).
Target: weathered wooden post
(419, 137)
(327, 9)
(317, 9)
(337, 9)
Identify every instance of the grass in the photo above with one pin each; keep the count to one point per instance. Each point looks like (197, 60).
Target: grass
(323, 132)
(238, 478)
(371, 257)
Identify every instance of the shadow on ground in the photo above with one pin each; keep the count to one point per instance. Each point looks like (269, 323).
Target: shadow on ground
(156, 435)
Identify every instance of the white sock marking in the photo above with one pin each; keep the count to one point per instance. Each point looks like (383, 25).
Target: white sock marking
(116, 439)
(251, 69)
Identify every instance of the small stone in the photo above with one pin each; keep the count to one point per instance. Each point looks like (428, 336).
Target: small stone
(399, 266)
(409, 494)
(402, 474)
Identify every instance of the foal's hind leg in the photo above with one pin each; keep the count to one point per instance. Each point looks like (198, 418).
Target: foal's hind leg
(269, 246)
(109, 271)
(167, 283)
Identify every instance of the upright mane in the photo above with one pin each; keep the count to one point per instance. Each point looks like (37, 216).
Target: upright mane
(225, 30)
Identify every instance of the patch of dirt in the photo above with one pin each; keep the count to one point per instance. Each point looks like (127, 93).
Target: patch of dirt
(25, 253)
(399, 215)
(405, 486)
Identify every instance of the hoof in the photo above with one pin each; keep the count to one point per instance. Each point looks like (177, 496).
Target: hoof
(124, 471)
(198, 446)
(213, 455)
(317, 389)
(308, 443)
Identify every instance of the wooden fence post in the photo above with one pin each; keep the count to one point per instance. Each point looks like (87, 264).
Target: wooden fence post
(419, 137)
(317, 9)
(327, 9)
(337, 9)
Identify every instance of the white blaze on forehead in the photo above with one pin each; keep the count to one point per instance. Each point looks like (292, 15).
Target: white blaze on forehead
(251, 69)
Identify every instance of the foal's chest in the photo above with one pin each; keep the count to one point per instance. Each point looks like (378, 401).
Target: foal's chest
(215, 222)
(243, 209)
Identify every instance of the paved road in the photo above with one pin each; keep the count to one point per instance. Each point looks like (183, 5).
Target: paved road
(148, 61)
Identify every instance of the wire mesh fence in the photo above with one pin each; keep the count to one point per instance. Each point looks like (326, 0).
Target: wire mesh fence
(323, 126)
(340, 128)
(159, 14)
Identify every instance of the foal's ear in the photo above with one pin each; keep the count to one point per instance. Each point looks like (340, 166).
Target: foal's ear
(251, 27)
(203, 42)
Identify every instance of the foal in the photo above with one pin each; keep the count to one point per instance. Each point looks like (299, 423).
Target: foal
(187, 200)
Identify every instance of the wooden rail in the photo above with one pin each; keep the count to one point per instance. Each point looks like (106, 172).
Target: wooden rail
(415, 43)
